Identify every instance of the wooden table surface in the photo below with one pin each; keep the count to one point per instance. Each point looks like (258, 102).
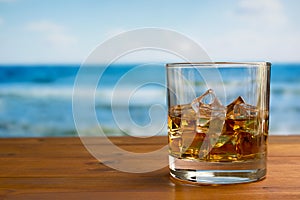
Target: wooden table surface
(61, 168)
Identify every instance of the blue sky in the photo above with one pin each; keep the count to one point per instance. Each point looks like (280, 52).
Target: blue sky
(54, 31)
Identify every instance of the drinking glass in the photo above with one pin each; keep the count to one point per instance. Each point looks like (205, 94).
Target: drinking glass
(218, 121)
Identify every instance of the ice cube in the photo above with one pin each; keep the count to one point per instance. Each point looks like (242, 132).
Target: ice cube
(244, 111)
(210, 115)
(179, 110)
(230, 107)
(181, 118)
(208, 105)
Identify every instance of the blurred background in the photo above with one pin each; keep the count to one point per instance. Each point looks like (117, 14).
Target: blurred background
(43, 43)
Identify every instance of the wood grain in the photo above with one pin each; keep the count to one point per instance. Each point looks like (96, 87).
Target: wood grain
(61, 168)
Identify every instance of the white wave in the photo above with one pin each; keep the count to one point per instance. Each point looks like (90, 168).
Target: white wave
(128, 96)
(35, 91)
(119, 97)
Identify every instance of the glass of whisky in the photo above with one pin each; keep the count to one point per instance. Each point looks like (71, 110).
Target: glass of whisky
(218, 121)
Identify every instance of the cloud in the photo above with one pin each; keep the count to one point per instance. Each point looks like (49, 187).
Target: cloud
(114, 31)
(262, 31)
(55, 34)
(61, 39)
(249, 45)
(267, 12)
(44, 26)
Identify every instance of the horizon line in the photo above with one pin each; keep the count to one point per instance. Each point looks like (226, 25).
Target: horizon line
(118, 63)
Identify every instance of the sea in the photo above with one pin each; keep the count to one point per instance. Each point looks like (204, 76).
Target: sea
(129, 99)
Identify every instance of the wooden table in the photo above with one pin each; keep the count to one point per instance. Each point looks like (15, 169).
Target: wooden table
(61, 168)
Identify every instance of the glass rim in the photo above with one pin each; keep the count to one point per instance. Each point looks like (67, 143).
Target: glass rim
(224, 64)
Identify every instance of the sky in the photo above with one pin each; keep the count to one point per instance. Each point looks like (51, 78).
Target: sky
(55, 31)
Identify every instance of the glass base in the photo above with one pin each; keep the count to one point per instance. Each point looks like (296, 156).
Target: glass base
(215, 173)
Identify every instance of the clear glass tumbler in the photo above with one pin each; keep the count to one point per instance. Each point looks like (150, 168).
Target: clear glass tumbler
(218, 121)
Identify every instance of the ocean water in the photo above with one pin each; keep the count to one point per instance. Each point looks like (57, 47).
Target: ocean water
(36, 101)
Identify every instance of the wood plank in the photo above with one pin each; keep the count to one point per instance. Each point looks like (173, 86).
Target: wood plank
(56, 168)
(34, 167)
(24, 147)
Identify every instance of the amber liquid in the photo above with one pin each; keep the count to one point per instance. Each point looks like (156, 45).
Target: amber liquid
(241, 139)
